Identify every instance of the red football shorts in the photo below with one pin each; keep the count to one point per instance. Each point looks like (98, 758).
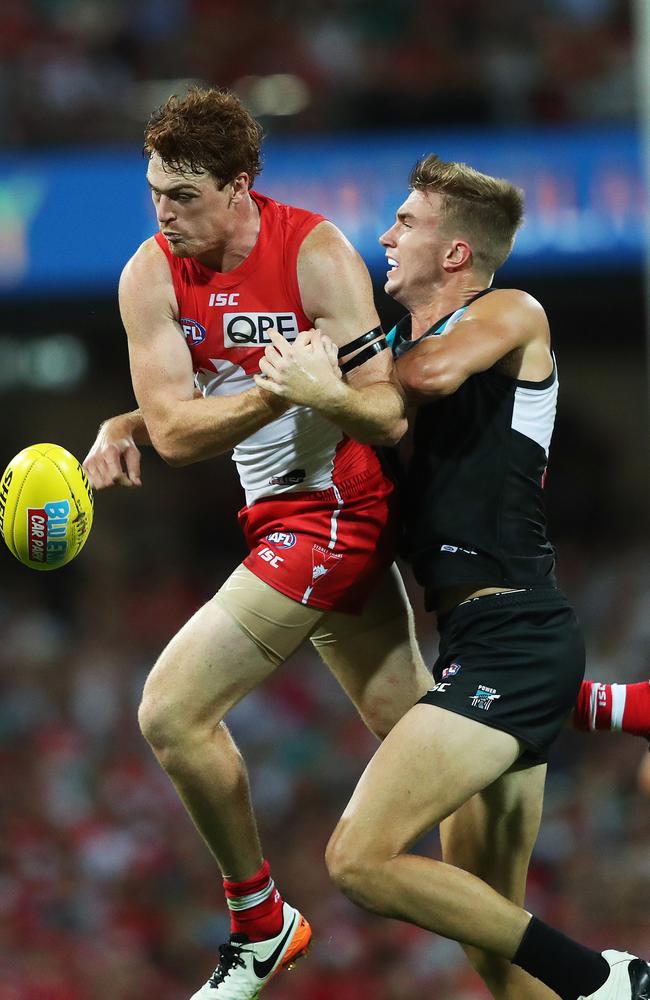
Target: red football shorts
(325, 549)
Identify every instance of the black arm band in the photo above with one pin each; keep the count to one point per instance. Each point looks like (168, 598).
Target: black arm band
(360, 359)
(365, 338)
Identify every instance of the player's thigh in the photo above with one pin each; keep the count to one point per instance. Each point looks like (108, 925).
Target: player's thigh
(430, 763)
(375, 656)
(226, 649)
(493, 834)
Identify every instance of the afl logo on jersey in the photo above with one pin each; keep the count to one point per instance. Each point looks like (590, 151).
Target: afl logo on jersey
(194, 333)
(281, 539)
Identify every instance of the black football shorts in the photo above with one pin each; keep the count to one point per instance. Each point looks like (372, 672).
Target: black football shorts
(514, 661)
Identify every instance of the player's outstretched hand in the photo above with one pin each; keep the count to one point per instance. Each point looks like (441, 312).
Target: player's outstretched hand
(114, 459)
(306, 372)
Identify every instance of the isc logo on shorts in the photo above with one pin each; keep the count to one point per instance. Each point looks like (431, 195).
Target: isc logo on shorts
(251, 329)
(269, 556)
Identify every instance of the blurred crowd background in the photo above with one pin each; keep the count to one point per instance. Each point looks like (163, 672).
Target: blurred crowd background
(92, 68)
(106, 891)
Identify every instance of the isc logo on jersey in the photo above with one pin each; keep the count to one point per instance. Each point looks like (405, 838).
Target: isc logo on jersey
(251, 329)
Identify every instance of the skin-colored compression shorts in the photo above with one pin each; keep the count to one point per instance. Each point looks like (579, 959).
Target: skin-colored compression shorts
(278, 625)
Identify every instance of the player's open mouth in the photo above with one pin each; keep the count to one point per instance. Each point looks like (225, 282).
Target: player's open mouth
(172, 237)
(392, 264)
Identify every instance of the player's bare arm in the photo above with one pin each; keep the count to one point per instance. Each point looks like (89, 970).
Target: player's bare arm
(337, 294)
(507, 329)
(182, 428)
(114, 458)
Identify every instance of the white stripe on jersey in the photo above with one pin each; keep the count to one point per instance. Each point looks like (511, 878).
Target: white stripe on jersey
(533, 413)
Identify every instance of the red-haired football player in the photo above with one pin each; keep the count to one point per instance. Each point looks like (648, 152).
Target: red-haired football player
(198, 302)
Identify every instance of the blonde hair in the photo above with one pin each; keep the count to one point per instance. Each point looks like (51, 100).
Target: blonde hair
(485, 210)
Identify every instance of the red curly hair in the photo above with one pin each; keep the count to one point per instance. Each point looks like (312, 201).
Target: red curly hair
(207, 129)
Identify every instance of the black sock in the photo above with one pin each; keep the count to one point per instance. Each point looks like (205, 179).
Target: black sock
(568, 968)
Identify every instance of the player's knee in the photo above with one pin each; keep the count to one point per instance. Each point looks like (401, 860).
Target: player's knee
(179, 739)
(159, 722)
(348, 868)
(168, 722)
(172, 714)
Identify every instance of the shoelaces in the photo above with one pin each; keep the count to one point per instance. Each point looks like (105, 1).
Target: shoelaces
(230, 958)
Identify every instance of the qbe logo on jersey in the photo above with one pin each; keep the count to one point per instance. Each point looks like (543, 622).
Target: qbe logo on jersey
(252, 329)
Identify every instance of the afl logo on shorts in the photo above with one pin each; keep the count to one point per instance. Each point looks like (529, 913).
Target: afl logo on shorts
(281, 539)
(194, 333)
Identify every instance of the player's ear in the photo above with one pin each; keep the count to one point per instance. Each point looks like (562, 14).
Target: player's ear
(458, 255)
(239, 187)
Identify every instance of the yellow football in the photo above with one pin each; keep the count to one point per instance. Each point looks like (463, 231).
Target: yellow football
(46, 506)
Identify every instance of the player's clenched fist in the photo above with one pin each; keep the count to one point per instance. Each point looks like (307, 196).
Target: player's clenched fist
(114, 459)
(306, 372)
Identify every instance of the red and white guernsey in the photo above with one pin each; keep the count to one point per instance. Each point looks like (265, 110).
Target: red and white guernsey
(225, 318)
